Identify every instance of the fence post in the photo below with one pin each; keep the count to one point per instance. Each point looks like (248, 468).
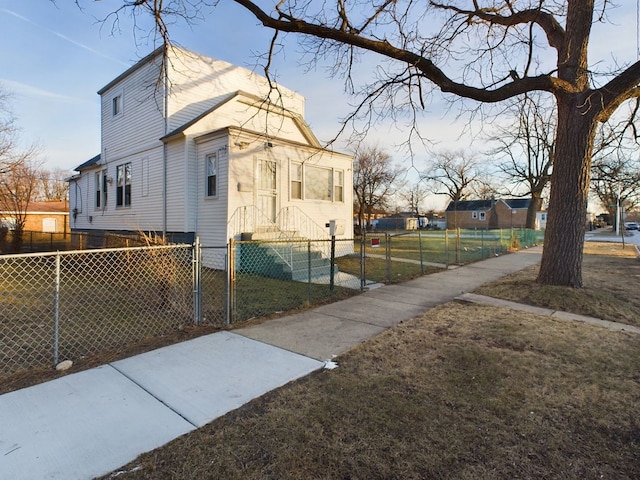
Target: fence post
(457, 246)
(332, 268)
(420, 246)
(197, 281)
(56, 311)
(388, 255)
(363, 244)
(446, 246)
(231, 273)
(308, 271)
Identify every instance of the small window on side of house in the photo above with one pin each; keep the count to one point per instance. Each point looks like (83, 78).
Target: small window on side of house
(211, 165)
(98, 183)
(101, 189)
(482, 216)
(474, 215)
(116, 105)
(296, 181)
(123, 185)
(338, 186)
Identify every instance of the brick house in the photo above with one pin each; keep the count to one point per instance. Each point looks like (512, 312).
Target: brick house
(485, 214)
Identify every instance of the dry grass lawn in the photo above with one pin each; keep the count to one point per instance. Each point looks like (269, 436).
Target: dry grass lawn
(611, 276)
(463, 392)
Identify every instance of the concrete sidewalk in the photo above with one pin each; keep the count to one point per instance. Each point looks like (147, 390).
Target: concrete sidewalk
(89, 423)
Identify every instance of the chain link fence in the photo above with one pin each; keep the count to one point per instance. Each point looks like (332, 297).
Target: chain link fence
(388, 257)
(31, 242)
(72, 305)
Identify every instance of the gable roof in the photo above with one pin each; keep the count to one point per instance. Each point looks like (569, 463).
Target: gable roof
(473, 205)
(132, 69)
(470, 205)
(518, 203)
(254, 99)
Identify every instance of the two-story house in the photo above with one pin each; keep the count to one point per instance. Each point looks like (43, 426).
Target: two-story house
(193, 146)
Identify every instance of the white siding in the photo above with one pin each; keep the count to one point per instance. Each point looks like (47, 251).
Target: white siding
(199, 83)
(237, 113)
(212, 213)
(141, 122)
(177, 187)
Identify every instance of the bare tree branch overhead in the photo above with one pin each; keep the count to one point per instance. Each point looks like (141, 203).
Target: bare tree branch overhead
(484, 51)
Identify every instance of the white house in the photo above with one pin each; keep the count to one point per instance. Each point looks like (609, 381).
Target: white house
(193, 146)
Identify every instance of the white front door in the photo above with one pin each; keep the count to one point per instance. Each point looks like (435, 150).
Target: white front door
(266, 191)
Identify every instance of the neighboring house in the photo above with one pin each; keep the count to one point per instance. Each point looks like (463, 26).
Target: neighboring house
(398, 221)
(190, 147)
(494, 213)
(48, 217)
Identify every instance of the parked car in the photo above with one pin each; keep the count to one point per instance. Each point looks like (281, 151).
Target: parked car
(631, 226)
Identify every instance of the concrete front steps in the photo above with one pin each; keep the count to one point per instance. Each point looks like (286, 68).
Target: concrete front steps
(294, 259)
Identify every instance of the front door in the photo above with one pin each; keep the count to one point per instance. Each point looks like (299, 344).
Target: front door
(267, 193)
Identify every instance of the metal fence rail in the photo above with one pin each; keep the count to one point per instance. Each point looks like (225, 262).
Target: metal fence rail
(75, 304)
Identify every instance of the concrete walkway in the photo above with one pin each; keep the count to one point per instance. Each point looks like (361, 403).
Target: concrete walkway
(88, 423)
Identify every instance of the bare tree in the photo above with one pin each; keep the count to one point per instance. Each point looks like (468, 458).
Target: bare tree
(487, 51)
(453, 173)
(374, 181)
(53, 184)
(18, 175)
(526, 148)
(413, 195)
(18, 185)
(615, 181)
(615, 171)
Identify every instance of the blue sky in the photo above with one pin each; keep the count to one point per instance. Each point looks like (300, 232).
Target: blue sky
(56, 57)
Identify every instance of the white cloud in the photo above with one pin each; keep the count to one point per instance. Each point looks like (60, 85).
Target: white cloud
(21, 88)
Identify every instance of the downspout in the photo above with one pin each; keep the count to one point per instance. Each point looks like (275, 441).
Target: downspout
(165, 113)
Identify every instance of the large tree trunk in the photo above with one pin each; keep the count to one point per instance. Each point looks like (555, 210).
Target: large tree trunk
(564, 237)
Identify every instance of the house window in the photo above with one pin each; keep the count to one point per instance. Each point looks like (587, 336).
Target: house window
(267, 175)
(123, 185)
(338, 186)
(212, 174)
(116, 105)
(317, 183)
(482, 216)
(101, 189)
(296, 181)
(474, 215)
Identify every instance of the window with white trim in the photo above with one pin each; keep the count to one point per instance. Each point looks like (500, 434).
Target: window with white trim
(482, 216)
(211, 166)
(116, 105)
(338, 186)
(474, 215)
(310, 182)
(123, 185)
(101, 189)
(296, 181)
